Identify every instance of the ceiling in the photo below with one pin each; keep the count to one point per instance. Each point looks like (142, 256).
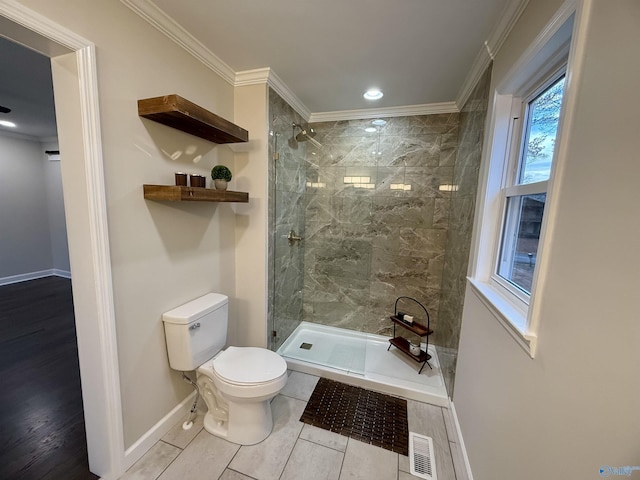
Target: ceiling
(328, 53)
(26, 88)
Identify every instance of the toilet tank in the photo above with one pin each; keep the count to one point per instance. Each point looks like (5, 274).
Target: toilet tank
(196, 331)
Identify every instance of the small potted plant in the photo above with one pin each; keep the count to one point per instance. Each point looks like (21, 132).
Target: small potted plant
(221, 175)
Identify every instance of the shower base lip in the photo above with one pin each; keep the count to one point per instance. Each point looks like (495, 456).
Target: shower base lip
(412, 386)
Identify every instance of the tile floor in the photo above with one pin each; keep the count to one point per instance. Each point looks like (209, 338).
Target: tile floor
(295, 451)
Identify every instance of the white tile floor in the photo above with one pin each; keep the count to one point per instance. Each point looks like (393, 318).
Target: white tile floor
(295, 451)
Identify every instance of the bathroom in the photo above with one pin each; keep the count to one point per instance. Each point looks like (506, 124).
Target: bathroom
(384, 208)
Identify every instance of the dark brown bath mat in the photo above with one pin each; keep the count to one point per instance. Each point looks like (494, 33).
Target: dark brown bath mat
(370, 417)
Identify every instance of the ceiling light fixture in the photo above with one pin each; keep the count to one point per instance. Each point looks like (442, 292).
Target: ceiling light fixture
(373, 94)
(371, 129)
(378, 122)
(6, 123)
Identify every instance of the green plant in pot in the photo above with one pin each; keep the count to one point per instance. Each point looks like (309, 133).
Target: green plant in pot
(221, 175)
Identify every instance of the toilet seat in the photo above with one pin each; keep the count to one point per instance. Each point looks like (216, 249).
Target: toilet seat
(248, 366)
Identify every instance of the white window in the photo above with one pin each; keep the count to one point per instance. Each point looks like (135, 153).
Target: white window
(525, 129)
(523, 195)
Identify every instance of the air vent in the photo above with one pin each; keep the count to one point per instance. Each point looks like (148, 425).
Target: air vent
(421, 458)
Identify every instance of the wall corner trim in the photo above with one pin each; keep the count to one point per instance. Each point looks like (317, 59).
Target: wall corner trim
(463, 449)
(268, 76)
(150, 12)
(490, 48)
(155, 433)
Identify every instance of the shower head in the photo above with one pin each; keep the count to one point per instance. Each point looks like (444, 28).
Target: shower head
(304, 134)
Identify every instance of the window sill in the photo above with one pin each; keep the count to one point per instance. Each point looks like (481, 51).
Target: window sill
(506, 313)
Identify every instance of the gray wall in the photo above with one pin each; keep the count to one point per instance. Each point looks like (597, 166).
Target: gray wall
(33, 235)
(365, 247)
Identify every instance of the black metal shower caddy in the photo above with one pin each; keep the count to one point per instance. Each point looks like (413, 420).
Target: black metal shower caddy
(419, 329)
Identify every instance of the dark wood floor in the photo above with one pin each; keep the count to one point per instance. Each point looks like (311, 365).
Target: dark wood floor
(42, 433)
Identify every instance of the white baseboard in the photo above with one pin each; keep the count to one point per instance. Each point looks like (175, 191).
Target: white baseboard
(467, 465)
(61, 273)
(155, 433)
(23, 277)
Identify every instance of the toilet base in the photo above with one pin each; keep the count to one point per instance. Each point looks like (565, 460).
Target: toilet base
(250, 423)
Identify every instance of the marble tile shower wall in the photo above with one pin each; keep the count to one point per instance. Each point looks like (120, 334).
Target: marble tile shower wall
(376, 218)
(458, 246)
(286, 213)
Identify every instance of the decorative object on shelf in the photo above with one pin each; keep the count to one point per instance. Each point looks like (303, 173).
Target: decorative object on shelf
(221, 175)
(407, 322)
(198, 181)
(181, 179)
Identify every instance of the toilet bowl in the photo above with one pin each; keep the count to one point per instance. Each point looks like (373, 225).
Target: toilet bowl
(237, 385)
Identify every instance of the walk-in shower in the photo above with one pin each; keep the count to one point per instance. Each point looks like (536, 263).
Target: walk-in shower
(378, 217)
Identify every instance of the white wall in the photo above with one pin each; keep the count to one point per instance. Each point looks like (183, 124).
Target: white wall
(25, 241)
(251, 109)
(55, 207)
(162, 254)
(575, 406)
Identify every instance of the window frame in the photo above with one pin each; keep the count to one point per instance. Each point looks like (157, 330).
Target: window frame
(555, 46)
(515, 149)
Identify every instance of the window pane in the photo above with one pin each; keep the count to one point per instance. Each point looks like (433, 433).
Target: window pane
(520, 239)
(540, 136)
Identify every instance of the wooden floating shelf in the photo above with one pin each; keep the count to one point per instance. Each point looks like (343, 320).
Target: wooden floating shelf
(402, 344)
(176, 193)
(181, 114)
(415, 327)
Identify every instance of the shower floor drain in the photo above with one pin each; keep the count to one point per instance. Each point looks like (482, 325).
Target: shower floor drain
(306, 346)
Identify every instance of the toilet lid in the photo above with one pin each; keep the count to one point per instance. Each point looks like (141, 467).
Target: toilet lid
(249, 365)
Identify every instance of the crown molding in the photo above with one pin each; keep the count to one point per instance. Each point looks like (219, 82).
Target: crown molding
(150, 12)
(404, 111)
(491, 46)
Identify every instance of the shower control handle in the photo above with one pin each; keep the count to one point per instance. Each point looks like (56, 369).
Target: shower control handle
(293, 238)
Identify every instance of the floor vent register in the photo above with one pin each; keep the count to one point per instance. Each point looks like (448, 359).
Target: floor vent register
(421, 457)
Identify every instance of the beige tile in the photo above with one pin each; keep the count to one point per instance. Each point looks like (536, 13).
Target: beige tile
(233, 475)
(266, 460)
(179, 437)
(152, 463)
(366, 462)
(206, 457)
(324, 437)
(458, 462)
(300, 386)
(406, 476)
(428, 420)
(403, 463)
(312, 462)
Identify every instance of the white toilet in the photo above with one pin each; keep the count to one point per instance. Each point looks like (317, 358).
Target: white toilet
(238, 383)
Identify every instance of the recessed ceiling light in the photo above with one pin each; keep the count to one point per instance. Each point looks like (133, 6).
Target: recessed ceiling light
(370, 129)
(6, 123)
(373, 94)
(378, 122)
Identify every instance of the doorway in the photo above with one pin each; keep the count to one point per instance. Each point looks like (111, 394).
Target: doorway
(76, 99)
